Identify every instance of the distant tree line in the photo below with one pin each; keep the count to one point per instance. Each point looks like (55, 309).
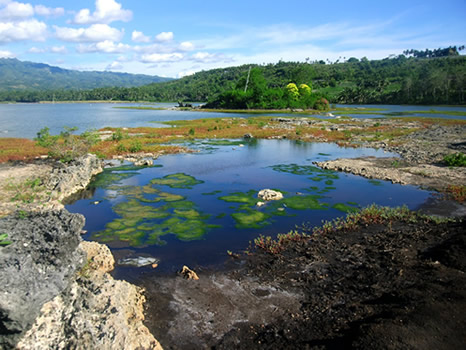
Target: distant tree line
(416, 77)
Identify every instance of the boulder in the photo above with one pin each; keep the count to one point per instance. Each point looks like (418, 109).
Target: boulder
(38, 265)
(270, 195)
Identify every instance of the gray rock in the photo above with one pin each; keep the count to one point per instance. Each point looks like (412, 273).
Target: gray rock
(138, 261)
(36, 267)
(71, 178)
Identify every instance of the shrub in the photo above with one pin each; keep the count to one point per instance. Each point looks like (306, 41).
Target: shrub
(135, 146)
(457, 159)
(66, 146)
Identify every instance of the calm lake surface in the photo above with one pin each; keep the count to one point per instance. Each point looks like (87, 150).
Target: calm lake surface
(191, 208)
(25, 120)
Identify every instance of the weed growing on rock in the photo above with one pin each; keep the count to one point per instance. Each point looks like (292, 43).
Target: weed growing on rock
(457, 192)
(276, 246)
(457, 159)
(3, 239)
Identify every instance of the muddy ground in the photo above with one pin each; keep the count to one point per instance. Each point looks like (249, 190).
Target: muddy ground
(396, 286)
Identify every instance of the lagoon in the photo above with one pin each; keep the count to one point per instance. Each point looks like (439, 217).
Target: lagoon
(190, 209)
(25, 120)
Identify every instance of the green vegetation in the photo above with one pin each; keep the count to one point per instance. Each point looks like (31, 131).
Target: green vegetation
(27, 191)
(140, 224)
(178, 180)
(304, 202)
(21, 79)
(252, 92)
(457, 192)
(66, 146)
(457, 159)
(353, 221)
(4, 239)
(411, 78)
(250, 219)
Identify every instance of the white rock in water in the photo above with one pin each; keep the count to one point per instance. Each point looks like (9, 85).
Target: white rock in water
(270, 195)
(260, 204)
(138, 261)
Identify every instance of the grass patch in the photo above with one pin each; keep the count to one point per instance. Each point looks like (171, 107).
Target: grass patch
(250, 219)
(304, 202)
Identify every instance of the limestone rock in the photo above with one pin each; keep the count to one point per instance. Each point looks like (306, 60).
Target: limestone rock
(269, 195)
(189, 274)
(68, 179)
(82, 318)
(37, 266)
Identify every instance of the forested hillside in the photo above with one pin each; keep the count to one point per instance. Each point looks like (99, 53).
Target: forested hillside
(418, 77)
(17, 75)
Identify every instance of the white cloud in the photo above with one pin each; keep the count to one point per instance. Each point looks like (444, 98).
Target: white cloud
(114, 66)
(165, 57)
(16, 10)
(36, 50)
(95, 33)
(139, 37)
(107, 11)
(164, 36)
(23, 30)
(58, 49)
(6, 54)
(186, 46)
(185, 73)
(205, 57)
(106, 46)
(42, 10)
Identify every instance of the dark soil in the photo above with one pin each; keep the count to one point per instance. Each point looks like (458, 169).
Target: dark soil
(398, 286)
(395, 286)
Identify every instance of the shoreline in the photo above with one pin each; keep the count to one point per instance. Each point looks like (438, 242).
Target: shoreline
(195, 306)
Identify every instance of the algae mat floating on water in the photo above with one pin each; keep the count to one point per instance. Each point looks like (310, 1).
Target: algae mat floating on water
(149, 213)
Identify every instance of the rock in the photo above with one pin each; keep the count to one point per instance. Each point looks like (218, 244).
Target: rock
(269, 195)
(247, 136)
(144, 162)
(94, 312)
(73, 177)
(189, 274)
(138, 261)
(260, 204)
(38, 265)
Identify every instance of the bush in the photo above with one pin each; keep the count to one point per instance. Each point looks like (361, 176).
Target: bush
(135, 146)
(66, 146)
(457, 159)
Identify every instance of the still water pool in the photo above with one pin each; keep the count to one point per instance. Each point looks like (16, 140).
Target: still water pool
(189, 209)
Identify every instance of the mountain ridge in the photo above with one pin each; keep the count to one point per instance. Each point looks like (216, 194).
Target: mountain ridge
(27, 75)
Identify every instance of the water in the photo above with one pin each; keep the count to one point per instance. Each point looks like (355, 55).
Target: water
(400, 111)
(25, 120)
(217, 172)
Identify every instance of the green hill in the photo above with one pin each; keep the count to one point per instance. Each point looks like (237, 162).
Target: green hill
(18, 75)
(417, 77)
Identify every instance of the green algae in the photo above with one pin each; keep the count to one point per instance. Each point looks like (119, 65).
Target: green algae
(248, 198)
(345, 208)
(222, 142)
(178, 180)
(250, 219)
(109, 178)
(211, 193)
(304, 202)
(375, 182)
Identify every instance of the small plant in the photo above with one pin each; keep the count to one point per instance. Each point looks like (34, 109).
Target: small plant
(22, 214)
(121, 148)
(191, 132)
(3, 239)
(395, 164)
(135, 146)
(457, 192)
(117, 135)
(457, 159)
(27, 191)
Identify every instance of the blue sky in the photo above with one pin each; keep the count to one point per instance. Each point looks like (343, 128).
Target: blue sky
(179, 37)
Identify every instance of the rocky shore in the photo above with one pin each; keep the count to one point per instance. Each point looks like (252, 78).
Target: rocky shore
(55, 289)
